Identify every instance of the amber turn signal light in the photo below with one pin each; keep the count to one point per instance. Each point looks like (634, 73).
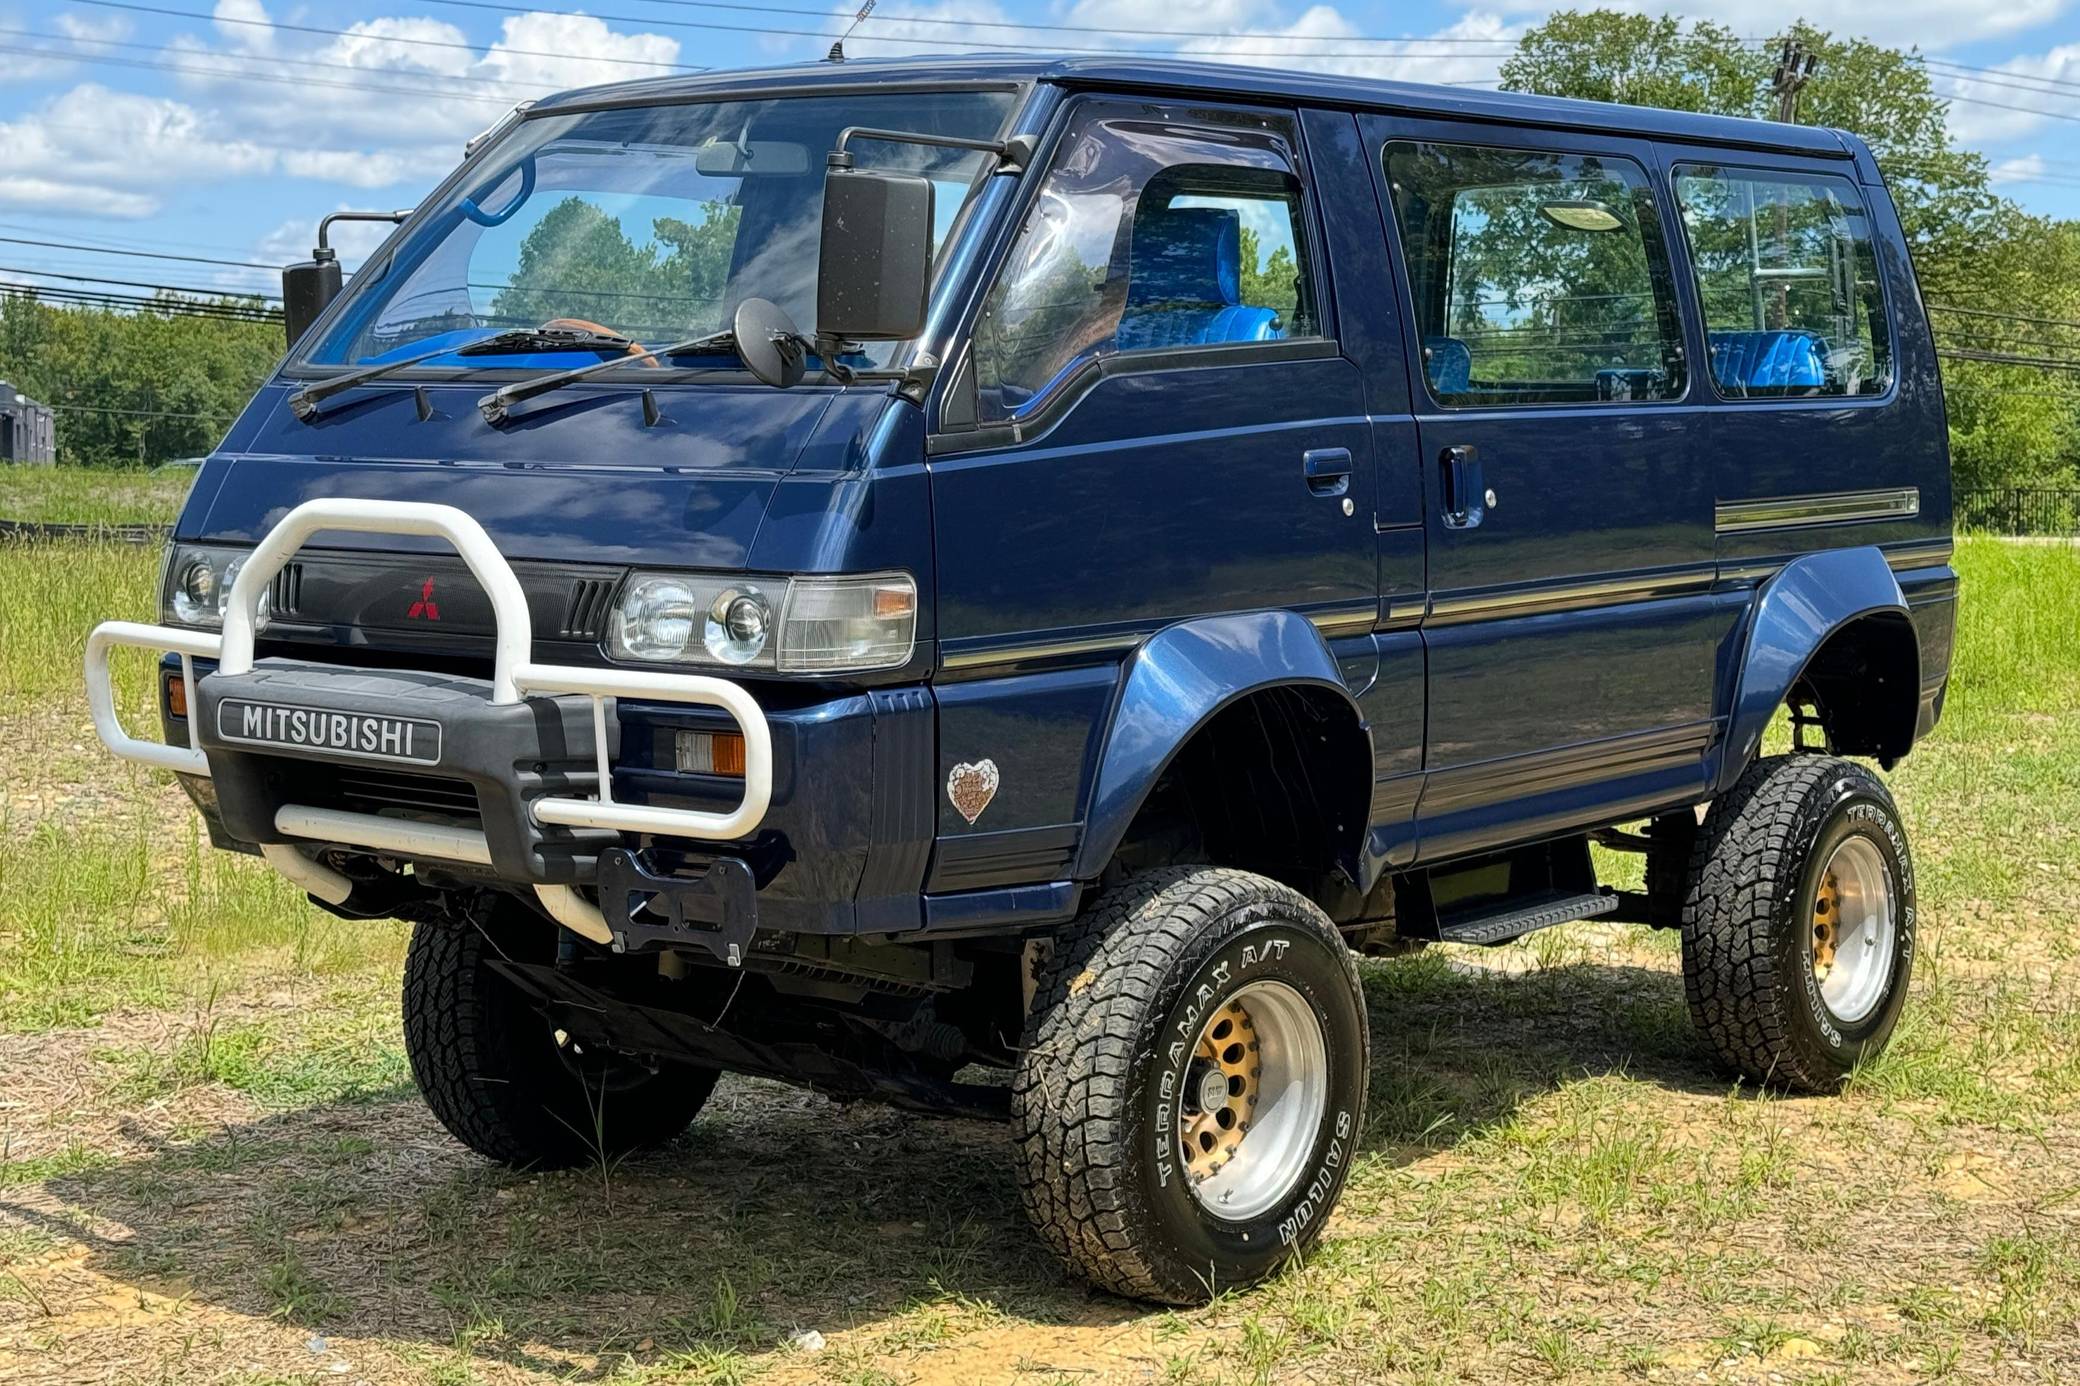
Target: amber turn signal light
(709, 753)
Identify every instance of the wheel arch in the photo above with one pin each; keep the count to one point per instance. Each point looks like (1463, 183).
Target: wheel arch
(1196, 682)
(1833, 627)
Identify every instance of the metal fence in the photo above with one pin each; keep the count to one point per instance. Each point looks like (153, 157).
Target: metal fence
(2048, 510)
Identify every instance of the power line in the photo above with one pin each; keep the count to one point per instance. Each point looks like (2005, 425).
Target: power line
(373, 38)
(137, 413)
(132, 303)
(141, 254)
(970, 45)
(1994, 71)
(2009, 317)
(2008, 106)
(187, 59)
(148, 65)
(132, 283)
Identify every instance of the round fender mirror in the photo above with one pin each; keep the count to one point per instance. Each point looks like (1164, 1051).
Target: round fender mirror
(768, 343)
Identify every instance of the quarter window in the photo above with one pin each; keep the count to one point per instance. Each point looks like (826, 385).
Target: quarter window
(1788, 281)
(1157, 229)
(1537, 277)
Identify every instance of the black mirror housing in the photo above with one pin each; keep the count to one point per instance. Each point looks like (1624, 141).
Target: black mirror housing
(307, 289)
(875, 267)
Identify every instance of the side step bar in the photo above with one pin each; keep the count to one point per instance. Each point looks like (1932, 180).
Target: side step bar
(1491, 927)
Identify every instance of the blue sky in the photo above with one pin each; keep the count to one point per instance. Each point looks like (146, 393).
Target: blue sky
(224, 128)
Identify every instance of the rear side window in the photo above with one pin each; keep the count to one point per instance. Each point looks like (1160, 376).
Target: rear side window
(1537, 277)
(1157, 229)
(1785, 271)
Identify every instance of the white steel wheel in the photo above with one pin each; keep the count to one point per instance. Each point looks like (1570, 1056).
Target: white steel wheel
(1854, 923)
(1253, 1100)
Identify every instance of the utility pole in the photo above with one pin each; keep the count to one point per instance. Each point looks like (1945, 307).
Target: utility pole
(1794, 69)
(1795, 66)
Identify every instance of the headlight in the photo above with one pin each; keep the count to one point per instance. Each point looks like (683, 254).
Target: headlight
(198, 584)
(806, 625)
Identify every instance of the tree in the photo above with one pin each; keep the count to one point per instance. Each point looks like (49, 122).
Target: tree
(135, 388)
(579, 262)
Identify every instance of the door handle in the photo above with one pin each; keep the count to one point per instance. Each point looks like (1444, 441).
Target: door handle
(1328, 470)
(1463, 499)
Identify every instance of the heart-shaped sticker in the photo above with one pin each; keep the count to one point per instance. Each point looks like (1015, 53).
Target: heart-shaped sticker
(971, 787)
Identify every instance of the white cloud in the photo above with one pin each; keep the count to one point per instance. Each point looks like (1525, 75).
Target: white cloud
(979, 23)
(591, 53)
(112, 153)
(51, 63)
(1974, 123)
(352, 117)
(249, 36)
(1469, 50)
(2026, 169)
(291, 241)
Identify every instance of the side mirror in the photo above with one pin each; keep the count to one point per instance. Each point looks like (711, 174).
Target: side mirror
(875, 266)
(307, 289)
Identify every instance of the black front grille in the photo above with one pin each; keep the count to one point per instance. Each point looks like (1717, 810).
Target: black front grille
(585, 611)
(372, 789)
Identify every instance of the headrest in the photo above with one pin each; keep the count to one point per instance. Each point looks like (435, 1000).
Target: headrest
(1187, 255)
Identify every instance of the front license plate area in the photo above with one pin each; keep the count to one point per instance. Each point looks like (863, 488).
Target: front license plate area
(329, 733)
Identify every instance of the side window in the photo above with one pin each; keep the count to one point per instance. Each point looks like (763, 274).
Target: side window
(1537, 278)
(1157, 229)
(1788, 281)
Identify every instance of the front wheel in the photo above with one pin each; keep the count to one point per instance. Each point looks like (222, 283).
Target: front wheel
(1192, 1084)
(504, 1081)
(1798, 921)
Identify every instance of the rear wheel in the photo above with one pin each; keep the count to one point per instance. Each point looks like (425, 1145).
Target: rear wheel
(1798, 921)
(1192, 1084)
(510, 1086)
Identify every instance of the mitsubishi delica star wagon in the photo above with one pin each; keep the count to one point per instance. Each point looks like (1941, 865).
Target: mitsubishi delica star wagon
(984, 585)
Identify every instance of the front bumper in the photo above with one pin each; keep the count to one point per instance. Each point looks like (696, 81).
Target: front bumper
(531, 740)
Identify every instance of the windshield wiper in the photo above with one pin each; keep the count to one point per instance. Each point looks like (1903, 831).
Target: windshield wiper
(497, 405)
(304, 403)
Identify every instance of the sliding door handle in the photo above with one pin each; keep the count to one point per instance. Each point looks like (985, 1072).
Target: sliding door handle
(1461, 496)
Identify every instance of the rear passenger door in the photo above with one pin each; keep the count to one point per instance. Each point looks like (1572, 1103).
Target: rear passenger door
(1572, 631)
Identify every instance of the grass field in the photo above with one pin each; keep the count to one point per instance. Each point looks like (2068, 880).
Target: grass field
(88, 496)
(212, 1167)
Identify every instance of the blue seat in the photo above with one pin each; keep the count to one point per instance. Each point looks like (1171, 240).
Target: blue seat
(1184, 284)
(1449, 363)
(1786, 359)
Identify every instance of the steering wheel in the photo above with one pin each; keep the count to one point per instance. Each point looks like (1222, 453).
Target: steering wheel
(587, 325)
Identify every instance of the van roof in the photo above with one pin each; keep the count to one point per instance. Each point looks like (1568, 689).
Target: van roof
(1168, 75)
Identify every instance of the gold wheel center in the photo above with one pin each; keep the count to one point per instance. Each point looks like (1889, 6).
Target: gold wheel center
(1225, 1064)
(1827, 925)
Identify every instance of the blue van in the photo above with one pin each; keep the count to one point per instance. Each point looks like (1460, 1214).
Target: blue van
(982, 584)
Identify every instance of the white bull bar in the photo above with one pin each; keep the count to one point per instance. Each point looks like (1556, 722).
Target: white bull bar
(514, 676)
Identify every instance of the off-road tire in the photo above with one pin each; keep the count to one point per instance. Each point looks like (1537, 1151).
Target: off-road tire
(1747, 950)
(491, 1068)
(1090, 1116)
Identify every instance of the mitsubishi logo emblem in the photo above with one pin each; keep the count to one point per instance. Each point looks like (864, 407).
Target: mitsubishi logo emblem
(424, 609)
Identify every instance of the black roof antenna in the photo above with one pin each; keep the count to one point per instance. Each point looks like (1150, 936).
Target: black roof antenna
(837, 53)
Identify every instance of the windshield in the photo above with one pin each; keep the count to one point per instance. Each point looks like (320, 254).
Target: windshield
(650, 223)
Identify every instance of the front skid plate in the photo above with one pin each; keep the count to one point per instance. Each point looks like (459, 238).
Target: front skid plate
(600, 1018)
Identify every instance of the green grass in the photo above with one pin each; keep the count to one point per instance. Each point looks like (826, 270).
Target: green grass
(1556, 1182)
(144, 913)
(92, 495)
(51, 596)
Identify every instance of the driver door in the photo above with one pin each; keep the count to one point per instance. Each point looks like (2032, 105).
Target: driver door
(1153, 422)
